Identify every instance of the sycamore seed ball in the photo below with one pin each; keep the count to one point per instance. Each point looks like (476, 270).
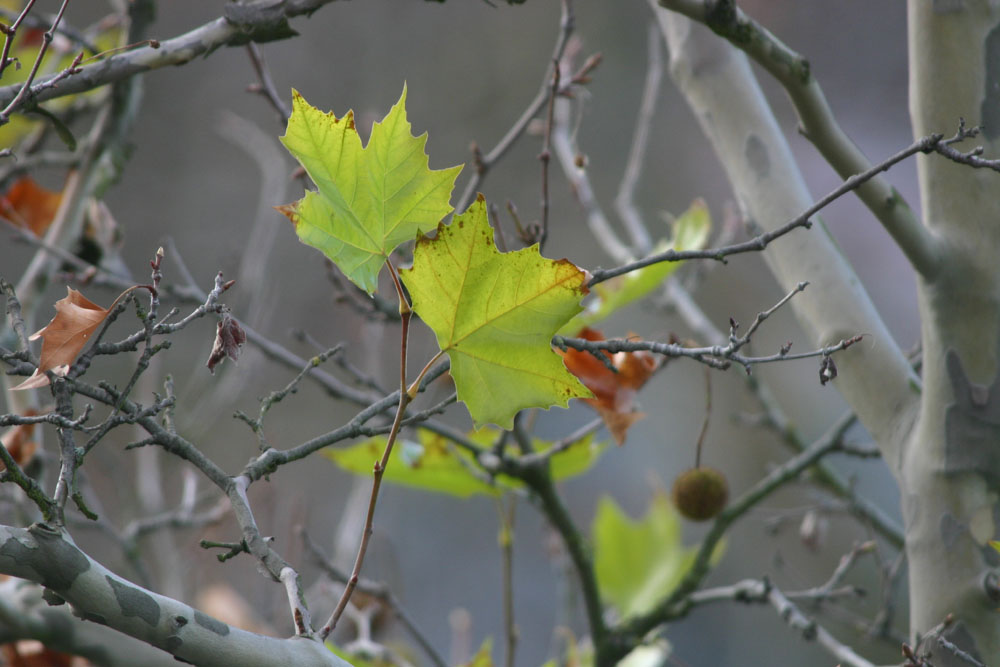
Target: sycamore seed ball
(700, 493)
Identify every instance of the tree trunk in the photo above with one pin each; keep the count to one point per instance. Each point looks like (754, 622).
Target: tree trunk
(950, 475)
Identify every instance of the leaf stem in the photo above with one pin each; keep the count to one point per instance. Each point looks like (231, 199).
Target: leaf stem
(380, 465)
(415, 385)
(708, 414)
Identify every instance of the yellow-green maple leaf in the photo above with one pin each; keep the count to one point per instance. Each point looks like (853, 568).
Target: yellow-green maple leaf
(494, 314)
(369, 199)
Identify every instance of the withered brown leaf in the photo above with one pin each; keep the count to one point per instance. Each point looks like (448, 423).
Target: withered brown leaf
(29, 205)
(229, 338)
(18, 443)
(62, 339)
(614, 392)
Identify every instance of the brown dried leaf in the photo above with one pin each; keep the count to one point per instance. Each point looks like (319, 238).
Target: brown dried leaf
(76, 319)
(614, 392)
(17, 441)
(229, 338)
(29, 205)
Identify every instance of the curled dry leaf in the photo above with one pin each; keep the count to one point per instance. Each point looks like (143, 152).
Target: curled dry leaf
(29, 205)
(229, 338)
(62, 339)
(614, 392)
(18, 443)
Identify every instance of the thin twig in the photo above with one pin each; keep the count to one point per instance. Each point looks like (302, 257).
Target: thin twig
(10, 32)
(26, 86)
(405, 397)
(485, 162)
(177, 50)
(546, 155)
(625, 201)
(761, 241)
(506, 539)
(377, 590)
(265, 85)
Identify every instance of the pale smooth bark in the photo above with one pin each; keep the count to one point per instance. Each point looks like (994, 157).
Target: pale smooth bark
(951, 468)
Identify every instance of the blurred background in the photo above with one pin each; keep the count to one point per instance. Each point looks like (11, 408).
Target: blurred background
(206, 168)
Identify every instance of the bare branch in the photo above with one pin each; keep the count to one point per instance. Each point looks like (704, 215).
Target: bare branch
(484, 163)
(240, 25)
(816, 122)
(761, 241)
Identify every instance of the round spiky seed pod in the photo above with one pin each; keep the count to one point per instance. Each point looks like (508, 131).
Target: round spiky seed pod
(700, 493)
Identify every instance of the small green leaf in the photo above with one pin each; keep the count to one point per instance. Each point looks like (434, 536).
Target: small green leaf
(370, 199)
(690, 233)
(638, 562)
(494, 314)
(995, 544)
(432, 463)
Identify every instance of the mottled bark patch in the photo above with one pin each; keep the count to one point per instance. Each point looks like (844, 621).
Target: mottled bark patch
(211, 624)
(757, 157)
(55, 562)
(135, 602)
(972, 425)
(990, 109)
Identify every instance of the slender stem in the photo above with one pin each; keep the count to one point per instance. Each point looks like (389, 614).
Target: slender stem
(382, 592)
(507, 564)
(485, 162)
(625, 201)
(546, 155)
(539, 479)
(415, 385)
(708, 414)
(380, 466)
(758, 243)
(11, 32)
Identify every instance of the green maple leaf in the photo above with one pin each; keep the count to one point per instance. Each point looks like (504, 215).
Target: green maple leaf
(369, 199)
(494, 314)
(639, 562)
